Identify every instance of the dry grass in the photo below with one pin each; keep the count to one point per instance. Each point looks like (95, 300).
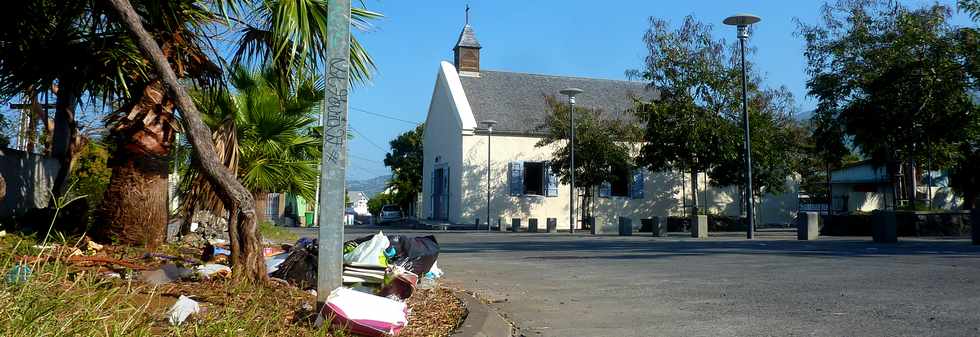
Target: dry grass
(434, 313)
(69, 299)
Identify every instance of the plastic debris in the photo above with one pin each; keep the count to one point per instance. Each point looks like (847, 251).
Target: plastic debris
(369, 253)
(92, 245)
(182, 309)
(18, 274)
(272, 251)
(166, 274)
(272, 262)
(194, 226)
(435, 271)
(399, 284)
(3, 233)
(363, 313)
(210, 270)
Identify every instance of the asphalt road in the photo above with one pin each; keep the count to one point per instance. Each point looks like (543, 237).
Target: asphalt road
(562, 285)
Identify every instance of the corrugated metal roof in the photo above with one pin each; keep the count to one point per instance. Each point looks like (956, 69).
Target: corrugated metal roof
(517, 100)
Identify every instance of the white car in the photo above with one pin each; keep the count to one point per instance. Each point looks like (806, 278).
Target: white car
(390, 213)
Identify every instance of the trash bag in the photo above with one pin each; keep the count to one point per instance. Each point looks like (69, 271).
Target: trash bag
(415, 254)
(299, 268)
(369, 253)
(363, 313)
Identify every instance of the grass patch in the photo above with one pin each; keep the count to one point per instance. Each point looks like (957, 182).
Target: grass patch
(60, 299)
(276, 233)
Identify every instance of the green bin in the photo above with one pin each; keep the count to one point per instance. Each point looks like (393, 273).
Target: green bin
(309, 219)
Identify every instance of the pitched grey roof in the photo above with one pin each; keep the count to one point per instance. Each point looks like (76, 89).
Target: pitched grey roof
(467, 38)
(517, 100)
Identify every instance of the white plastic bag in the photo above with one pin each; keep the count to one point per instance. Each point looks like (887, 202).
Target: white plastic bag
(369, 253)
(183, 308)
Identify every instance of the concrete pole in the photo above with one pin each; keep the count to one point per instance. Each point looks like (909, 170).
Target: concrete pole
(334, 160)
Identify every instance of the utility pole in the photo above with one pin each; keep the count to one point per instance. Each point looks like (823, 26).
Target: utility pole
(334, 160)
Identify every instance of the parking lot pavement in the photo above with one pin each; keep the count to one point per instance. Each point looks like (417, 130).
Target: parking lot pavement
(581, 285)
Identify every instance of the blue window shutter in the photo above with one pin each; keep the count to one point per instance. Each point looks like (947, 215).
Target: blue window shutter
(636, 185)
(516, 178)
(605, 189)
(551, 182)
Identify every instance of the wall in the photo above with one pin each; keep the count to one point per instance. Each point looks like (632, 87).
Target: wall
(664, 193)
(29, 179)
(448, 118)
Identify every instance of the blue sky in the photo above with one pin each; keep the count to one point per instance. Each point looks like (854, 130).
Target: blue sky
(598, 39)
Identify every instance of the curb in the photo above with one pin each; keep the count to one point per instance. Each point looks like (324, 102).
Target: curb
(481, 320)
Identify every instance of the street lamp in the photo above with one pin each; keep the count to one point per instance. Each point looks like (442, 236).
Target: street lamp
(489, 123)
(742, 21)
(571, 92)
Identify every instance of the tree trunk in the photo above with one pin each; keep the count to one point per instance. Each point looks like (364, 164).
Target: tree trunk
(134, 208)
(246, 250)
(63, 142)
(261, 202)
(694, 192)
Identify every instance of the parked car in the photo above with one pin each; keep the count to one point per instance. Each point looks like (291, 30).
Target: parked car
(390, 214)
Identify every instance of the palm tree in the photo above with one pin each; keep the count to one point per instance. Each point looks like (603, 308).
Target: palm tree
(66, 48)
(134, 207)
(266, 133)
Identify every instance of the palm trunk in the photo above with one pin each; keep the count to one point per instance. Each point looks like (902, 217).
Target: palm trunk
(134, 208)
(246, 250)
(63, 143)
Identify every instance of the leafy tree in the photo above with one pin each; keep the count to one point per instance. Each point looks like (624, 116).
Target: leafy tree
(91, 173)
(895, 80)
(266, 135)
(602, 148)
(686, 129)
(776, 152)
(405, 161)
(380, 200)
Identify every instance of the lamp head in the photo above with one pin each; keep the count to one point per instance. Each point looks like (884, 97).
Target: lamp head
(570, 92)
(742, 21)
(489, 123)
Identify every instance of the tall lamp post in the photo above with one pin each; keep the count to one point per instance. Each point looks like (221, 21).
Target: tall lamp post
(742, 21)
(489, 123)
(571, 92)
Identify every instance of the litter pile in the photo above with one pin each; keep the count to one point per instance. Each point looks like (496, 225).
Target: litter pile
(380, 273)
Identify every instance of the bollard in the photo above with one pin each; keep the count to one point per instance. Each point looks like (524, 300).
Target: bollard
(975, 223)
(515, 225)
(590, 222)
(884, 227)
(807, 226)
(625, 226)
(658, 227)
(532, 225)
(552, 225)
(699, 227)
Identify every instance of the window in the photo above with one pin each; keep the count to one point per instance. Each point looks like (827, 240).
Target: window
(620, 185)
(626, 183)
(534, 178)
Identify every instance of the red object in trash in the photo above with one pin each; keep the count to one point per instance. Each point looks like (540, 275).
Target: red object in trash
(364, 314)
